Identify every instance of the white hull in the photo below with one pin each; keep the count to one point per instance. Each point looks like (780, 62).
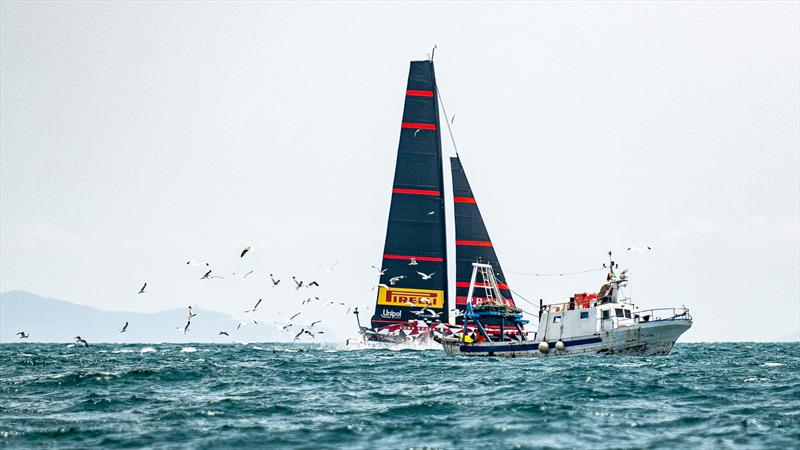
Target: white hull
(642, 339)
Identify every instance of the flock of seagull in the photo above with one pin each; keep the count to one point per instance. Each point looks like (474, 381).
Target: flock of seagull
(289, 325)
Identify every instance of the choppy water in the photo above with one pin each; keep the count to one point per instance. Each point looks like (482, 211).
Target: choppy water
(277, 396)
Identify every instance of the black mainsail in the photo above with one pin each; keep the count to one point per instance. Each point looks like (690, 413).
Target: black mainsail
(414, 256)
(472, 240)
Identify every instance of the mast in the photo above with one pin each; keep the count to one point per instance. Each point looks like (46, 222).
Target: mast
(473, 244)
(416, 232)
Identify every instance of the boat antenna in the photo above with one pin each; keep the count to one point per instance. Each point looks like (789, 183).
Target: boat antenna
(433, 52)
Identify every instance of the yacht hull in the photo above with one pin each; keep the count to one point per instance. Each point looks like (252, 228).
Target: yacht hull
(652, 338)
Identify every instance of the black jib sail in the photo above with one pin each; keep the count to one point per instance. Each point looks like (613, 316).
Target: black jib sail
(414, 257)
(472, 240)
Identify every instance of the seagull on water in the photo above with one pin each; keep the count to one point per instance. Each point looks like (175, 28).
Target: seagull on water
(246, 249)
(254, 307)
(141, 291)
(275, 281)
(124, 328)
(426, 276)
(81, 340)
(22, 335)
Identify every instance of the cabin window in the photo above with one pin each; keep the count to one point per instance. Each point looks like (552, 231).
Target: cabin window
(584, 314)
(619, 312)
(606, 314)
(627, 313)
(556, 319)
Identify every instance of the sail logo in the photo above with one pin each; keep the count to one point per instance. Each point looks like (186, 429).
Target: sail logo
(391, 314)
(412, 298)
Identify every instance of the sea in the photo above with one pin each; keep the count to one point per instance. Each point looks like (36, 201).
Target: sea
(305, 396)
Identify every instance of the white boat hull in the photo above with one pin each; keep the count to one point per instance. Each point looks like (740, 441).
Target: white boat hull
(642, 339)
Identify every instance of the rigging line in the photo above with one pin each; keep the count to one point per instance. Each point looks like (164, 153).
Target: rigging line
(447, 120)
(563, 274)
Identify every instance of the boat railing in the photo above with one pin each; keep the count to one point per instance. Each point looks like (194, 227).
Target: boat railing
(647, 315)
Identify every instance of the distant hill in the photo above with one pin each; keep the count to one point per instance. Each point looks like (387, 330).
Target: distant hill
(53, 320)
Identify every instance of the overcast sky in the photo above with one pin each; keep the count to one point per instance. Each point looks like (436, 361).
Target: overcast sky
(134, 136)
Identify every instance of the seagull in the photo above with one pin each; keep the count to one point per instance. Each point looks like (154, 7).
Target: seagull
(639, 249)
(254, 307)
(190, 314)
(197, 263)
(81, 340)
(299, 283)
(141, 291)
(418, 130)
(297, 336)
(243, 277)
(452, 119)
(186, 328)
(329, 269)
(254, 322)
(413, 261)
(394, 280)
(22, 335)
(247, 248)
(292, 318)
(285, 327)
(335, 303)
(313, 283)
(432, 212)
(426, 276)
(347, 341)
(380, 285)
(313, 333)
(314, 323)
(275, 281)
(208, 276)
(223, 333)
(380, 271)
(124, 328)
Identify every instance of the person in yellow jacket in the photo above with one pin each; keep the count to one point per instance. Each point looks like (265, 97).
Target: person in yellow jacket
(468, 339)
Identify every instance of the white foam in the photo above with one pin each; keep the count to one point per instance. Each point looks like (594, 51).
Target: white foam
(147, 350)
(188, 350)
(126, 350)
(771, 364)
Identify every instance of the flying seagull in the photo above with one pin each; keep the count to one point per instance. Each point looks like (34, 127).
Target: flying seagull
(223, 333)
(412, 261)
(254, 322)
(313, 283)
(254, 307)
(141, 291)
(186, 328)
(418, 130)
(426, 276)
(246, 249)
(275, 281)
(314, 323)
(380, 271)
(299, 283)
(197, 263)
(639, 249)
(243, 277)
(22, 335)
(297, 336)
(347, 341)
(81, 340)
(124, 328)
(329, 269)
(394, 280)
(190, 314)
(292, 318)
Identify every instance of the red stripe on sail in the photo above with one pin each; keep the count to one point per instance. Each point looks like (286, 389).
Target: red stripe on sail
(416, 192)
(420, 126)
(475, 243)
(418, 258)
(419, 93)
(463, 200)
(480, 285)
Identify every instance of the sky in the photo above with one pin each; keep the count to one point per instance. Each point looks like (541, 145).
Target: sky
(134, 136)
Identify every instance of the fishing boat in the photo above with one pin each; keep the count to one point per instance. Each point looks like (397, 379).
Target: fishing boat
(604, 323)
(413, 290)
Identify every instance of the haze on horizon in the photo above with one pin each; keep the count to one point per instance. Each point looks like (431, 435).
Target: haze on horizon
(135, 136)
